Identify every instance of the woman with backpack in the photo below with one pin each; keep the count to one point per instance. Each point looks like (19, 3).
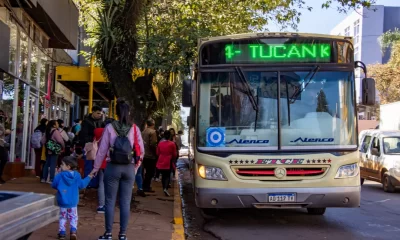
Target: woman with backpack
(121, 141)
(54, 144)
(37, 145)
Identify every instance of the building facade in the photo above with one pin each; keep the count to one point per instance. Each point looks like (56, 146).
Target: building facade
(34, 37)
(366, 26)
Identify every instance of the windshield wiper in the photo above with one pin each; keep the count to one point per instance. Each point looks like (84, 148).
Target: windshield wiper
(296, 94)
(253, 101)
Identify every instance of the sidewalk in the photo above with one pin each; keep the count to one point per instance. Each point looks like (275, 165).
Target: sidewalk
(154, 217)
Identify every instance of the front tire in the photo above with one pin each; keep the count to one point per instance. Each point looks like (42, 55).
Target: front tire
(316, 211)
(387, 184)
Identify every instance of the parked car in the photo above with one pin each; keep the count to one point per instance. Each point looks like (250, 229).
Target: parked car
(380, 158)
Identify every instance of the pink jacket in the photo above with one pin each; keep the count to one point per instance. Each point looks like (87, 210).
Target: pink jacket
(108, 139)
(166, 151)
(56, 136)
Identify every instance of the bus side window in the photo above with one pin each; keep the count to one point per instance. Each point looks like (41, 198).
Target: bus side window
(365, 144)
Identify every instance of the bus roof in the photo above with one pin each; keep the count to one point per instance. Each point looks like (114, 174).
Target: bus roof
(271, 34)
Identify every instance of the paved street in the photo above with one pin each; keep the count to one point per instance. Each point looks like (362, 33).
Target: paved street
(377, 218)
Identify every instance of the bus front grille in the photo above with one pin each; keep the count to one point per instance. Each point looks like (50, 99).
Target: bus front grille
(290, 173)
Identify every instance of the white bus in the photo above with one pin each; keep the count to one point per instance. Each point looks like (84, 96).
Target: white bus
(275, 122)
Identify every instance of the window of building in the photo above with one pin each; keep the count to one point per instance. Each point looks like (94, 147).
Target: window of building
(24, 56)
(357, 31)
(13, 46)
(347, 31)
(356, 54)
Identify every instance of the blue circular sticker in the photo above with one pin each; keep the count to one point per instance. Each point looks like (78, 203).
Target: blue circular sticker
(215, 137)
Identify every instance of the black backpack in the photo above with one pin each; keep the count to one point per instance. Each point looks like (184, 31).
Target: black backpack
(121, 152)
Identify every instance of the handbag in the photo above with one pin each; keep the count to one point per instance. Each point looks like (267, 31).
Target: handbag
(53, 146)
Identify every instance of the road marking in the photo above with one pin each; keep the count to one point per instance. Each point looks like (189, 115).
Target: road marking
(179, 231)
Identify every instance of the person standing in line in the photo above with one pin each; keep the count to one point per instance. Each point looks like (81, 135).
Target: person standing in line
(179, 139)
(175, 139)
(40, 131)
(68, 183)
(3, 150)
(166, 151)
(149, 136)
(65, 137)
(86, 135)
(52, 134)
(98, 133)
(118, 141)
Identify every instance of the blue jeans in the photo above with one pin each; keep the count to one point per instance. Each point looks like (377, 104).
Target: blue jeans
(51, 161)
(118, 177)
(139, 178)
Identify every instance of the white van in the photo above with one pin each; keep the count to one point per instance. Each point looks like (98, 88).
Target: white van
(380, 158)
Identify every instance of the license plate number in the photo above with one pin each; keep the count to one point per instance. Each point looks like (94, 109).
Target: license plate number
(279, 197)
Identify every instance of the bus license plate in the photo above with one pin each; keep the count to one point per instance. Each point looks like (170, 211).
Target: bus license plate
(282, 197)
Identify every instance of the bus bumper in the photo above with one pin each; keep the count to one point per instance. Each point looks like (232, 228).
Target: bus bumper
(258, 197)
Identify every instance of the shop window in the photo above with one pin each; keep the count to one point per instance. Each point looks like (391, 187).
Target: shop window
(13, 46)
(23, 63)
(34, 63)
(44, 71)
(6, 98)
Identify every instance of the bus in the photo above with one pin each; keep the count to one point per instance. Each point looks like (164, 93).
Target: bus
(275, 122)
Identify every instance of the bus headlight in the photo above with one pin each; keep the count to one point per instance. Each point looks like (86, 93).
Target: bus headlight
(211, 173)
(348, 171)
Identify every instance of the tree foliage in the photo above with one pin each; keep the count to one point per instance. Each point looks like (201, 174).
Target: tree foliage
(387, 76)
(161, 36)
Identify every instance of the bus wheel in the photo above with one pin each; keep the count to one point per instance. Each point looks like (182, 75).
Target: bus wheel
(387, 184)
(209, 213)
(316, 211)
(362, 181)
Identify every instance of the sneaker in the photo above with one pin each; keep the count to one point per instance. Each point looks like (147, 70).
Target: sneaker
(101, 209)
(73, 236)
(166, 193)
(149, 191)
(141, 193)
(61, 235)
(106, 236)
(49, 182)
(43, 181)
(158, 180)
(122, 237)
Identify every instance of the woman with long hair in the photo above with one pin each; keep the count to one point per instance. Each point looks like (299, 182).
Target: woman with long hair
(52, 134)
(38, 151)
(166, 152)
(119, 174)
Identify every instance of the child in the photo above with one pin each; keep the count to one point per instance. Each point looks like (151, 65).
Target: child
(68, 183)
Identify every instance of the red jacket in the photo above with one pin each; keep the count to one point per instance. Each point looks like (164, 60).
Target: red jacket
(98, 132)
(166, 151)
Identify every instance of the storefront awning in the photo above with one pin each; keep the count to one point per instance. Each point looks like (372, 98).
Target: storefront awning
(77, 78)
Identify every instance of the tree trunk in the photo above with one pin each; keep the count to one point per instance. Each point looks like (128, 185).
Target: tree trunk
(124, 87)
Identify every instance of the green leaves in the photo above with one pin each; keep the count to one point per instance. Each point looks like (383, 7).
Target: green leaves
(387, 76)
(388, 39)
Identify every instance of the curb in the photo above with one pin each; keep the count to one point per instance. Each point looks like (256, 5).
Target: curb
(179, 231)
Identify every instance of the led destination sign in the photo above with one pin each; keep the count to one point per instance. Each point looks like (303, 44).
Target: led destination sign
(278, 53)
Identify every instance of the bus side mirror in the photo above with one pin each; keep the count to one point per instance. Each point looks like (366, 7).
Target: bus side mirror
(188, 93)
(368, 91)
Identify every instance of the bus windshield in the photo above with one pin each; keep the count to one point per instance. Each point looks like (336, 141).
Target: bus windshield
(315, 110)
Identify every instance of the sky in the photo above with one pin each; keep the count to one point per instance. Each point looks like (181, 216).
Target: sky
(323, 20)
